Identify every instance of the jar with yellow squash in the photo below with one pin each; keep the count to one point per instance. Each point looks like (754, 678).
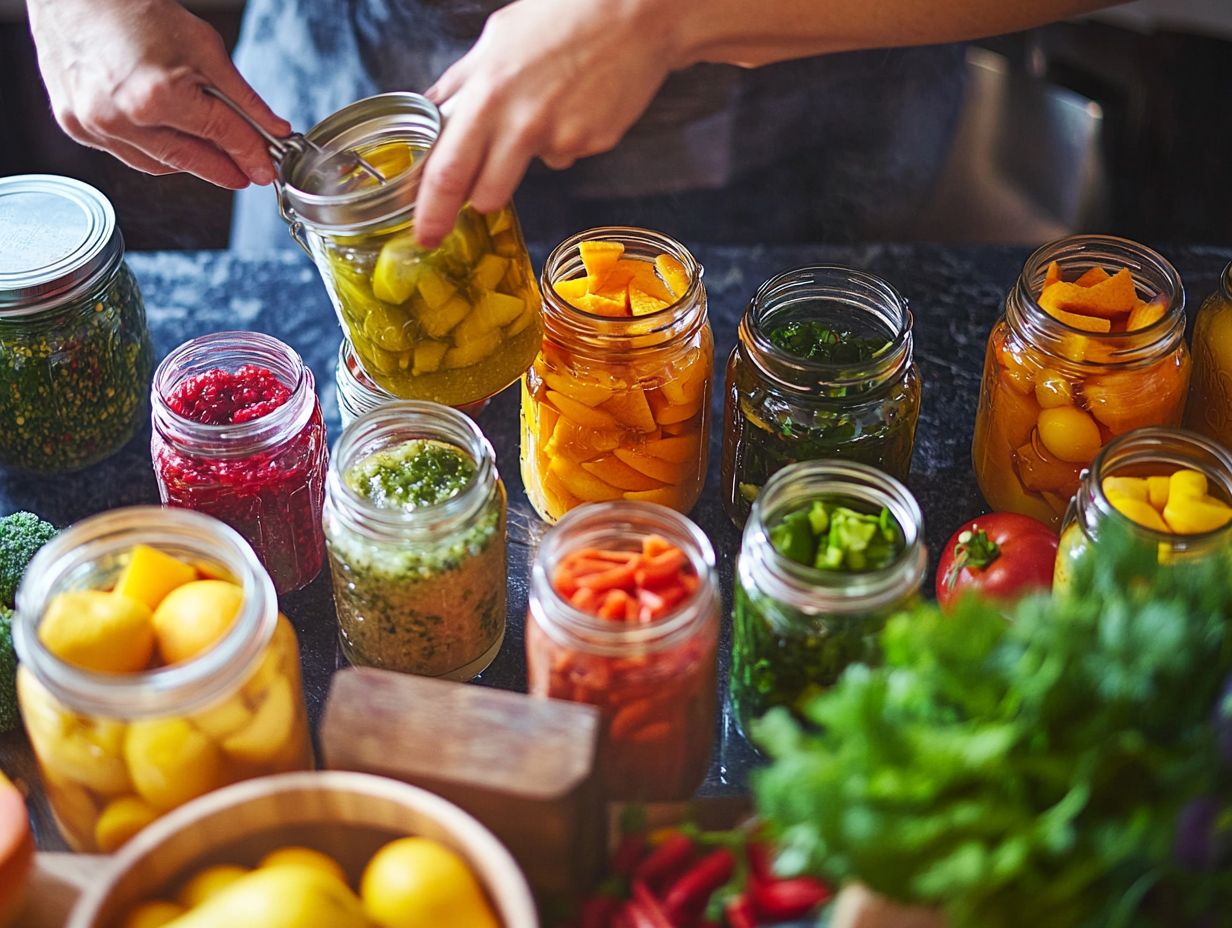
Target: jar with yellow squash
(1091, 346)
(454, 324)
(1168, 487)
(1209, 409)
(155, 668)
(617, 403)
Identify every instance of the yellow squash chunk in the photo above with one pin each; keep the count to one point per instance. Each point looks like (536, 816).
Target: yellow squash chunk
(1107, 299)
(671, 413)
(472, 328)
(1192, 515)
(397, 269)
(439, 321)
(150, 575)
(580, 442)
(1075, 320)
(646, 280)
(521, 323)
(1138, 511)
(506, 243)
(584, 391)
(100, 631)
(598, 304)
(434, 289)
(674, 448)
(1129, 487)
(487, 274)
(558, 498)
(584, 486)
(205, 883)
(673, 274)
(1052, 275)
(580, 413)
(1187, 482)
(120, 820)
(615, 472)
(642, 303)
(656, 468)
(1145, 314)
(272, 725)
(664, 496)
(499, 221)
(192, 618)
(498, 309)
(223, 718)
(631, 408)
(600, 257)
(171, 762)
(389, 329)
(1157, 491)
(573, 289)
(1093, 276)
(1069, 434)
(427, 357)
(473, 351)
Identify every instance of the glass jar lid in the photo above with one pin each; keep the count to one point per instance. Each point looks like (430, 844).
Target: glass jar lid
(58, 237)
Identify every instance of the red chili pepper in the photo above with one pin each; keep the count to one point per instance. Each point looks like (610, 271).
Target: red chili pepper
(740, 913)
(649, 909)
(688, 894)
(629, 853)
(668, 859)
(786, 899)
(761, 862)
(597, 912)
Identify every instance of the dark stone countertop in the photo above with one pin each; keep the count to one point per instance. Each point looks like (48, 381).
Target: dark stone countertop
(954, 292)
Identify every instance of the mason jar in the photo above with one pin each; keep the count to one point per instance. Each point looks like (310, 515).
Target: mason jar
(454, 324)
(822, 368)
(1209, 408)
(1149, 452)
(419, 585)
(117, 750)
(75, 354)
(654, 682)
(1052, 395)
(617, 407)
(264, 476)
(795, 628)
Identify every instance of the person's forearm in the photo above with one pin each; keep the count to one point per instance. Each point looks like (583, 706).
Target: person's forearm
(757, 32)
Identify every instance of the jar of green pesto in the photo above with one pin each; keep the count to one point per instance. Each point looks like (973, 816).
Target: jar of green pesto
(75, 354)
(415, 527)
(830, 551)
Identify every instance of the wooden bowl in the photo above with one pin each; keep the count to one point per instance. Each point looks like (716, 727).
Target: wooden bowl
(347, 815)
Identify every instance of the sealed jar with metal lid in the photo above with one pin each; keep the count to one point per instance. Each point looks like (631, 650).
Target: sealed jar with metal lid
(822, 368)
(357, 393)
(75, 353)
(1209, 408)
(454, 324)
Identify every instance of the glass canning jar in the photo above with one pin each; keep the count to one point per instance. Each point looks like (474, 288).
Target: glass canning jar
(454, 324)
(617, 407)
(655, 682)
(1146, 452)
(795, 629)
(265, 477)
(1053, 395)
(1209, 409)
(357, 393)
(856, 398)
(418, 589)
(117, 750)
(75, 354)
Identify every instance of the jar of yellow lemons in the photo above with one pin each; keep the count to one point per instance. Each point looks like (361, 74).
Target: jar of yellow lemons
(155, 667)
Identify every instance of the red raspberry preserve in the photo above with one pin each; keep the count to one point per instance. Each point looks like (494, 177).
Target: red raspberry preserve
(238, 434)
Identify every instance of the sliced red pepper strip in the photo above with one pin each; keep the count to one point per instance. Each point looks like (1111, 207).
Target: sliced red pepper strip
(662, 568)
(687, 896)
(585, 599)
(786, 899)
(761, 861)
(651, 908)
(629, 853)
(668, 859)
(740, 913)
(597, 912)
(619, 576)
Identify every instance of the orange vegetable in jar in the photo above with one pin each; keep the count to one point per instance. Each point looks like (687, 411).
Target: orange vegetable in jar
(1090, 346)
(616, 404)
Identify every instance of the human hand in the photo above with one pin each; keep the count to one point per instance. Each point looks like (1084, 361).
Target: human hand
(125, 76)
(556, 79)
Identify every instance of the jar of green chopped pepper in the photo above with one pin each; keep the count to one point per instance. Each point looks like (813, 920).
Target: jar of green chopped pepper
(822, 368)
(75, 354)
(830, 551)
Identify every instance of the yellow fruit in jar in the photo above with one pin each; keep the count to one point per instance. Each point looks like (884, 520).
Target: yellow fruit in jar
(223, 718)
(1193, 515)
(304, 857)
(1187, 482)
(171, 762)
(193, 617)
(153, 914)
(397, 269)
(1157, 491)
(1138, 511)
(272, 724)
(1069, 434)
(99, 631)
(207, 883)
(150, 575)
(420, 883)
(120, 820)
(1133, 487)
(280, 897)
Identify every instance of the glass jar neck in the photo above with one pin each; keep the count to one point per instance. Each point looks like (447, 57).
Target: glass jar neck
(1154, 277)
(229, 351)
(606, 337)
(1145, 452)
(841, 299)
(621, 526)
(1225, 283)
(389, 426)
(90, 555)
(357, 394)
(813, 592)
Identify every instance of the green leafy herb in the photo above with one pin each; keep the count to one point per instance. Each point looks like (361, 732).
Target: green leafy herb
(828, 536)
(815, 341)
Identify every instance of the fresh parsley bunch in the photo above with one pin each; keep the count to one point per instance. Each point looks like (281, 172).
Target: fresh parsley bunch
(1030, 772)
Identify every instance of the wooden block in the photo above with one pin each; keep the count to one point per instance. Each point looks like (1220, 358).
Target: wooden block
(522, 765)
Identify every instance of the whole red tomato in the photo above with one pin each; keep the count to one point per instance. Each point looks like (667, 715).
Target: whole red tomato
(1001, 555)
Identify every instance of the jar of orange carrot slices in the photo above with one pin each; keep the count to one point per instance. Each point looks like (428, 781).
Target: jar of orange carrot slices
(617, 402)
(1091, 346)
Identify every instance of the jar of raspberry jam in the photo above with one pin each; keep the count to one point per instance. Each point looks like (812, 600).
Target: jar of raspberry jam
(238, 434)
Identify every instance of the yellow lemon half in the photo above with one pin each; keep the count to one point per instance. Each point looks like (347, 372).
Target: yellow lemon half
(420, 883)
(193, 617)
(99, 631)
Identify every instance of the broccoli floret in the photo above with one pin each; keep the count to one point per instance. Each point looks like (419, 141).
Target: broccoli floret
(21, 534)
(9, 717)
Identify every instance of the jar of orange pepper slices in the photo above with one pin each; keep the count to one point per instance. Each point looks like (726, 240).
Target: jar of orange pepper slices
(1091, 346)
(624, 615)
(617, 402)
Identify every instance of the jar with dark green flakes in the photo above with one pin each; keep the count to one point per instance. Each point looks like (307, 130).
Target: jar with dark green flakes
(75, 353)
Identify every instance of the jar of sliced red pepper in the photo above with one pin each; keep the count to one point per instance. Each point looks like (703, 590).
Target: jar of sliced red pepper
(238, 434)
(624, 615)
